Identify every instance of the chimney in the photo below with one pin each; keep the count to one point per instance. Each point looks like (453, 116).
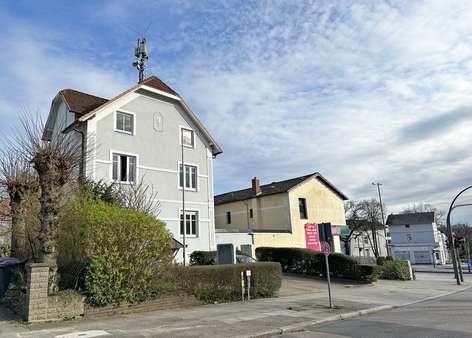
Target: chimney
(256, 186)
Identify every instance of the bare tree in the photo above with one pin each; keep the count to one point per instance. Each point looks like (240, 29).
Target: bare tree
(54, 161)
(426, 207)
(17, 178)
(139, 196)
(363, 217)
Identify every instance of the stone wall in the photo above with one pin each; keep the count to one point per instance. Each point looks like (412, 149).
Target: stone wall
(37, 306)
(162, 303)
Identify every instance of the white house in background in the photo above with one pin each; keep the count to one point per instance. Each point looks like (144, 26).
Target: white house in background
(415, 237)
(137, 136)
(362, 244)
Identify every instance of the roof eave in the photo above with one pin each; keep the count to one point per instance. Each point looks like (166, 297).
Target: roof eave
(215, 147)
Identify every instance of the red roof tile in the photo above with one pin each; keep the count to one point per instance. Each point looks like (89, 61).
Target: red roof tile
(81, 103)
(156, 83)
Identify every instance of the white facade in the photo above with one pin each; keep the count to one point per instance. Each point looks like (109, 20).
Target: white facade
(137, 137)
(419, 243)
(361, 244)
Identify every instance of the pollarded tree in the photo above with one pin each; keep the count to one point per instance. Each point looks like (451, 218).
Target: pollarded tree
(54, 161)
(18, 179)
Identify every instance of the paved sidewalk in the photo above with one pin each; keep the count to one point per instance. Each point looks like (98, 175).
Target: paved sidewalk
(301, 300)
(446, 268)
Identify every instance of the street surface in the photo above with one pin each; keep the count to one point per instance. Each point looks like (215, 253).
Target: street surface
(301, 303)
(449, 316)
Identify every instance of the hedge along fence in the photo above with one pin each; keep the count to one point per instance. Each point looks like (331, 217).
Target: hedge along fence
(222, 283)
(309, 262)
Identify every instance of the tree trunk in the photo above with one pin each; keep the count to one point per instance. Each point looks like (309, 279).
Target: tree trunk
(19, 244)
(374, 242)
(347, 246)
(49, 220)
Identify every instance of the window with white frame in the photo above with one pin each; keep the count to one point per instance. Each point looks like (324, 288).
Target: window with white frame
(124, 122)
(188, 177)
(187, 137)
(124, 168)
(191, 223)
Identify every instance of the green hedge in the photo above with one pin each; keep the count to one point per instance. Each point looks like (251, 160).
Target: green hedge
(395, 270)
(202, 257)
(113, 253)
(381, 260)
(309, 262)
(222, 283)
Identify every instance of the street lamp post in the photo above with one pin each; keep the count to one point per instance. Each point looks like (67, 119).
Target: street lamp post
(383, 216)
(455, 260)
(182, 178)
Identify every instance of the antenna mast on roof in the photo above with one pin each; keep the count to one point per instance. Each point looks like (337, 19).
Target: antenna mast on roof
(141, 53)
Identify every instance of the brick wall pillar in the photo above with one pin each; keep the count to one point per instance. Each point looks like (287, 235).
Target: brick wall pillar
(37, 292)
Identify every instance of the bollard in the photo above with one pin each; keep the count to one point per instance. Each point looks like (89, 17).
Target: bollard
(242, 286)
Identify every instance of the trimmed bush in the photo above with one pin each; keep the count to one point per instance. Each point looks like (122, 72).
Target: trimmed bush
(381, 260)
(367, 273)
(222, 283)
(202, 257)
(122, 249)
(309, 262)
(395, 270)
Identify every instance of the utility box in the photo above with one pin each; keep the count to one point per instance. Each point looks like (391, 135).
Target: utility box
(226, 254)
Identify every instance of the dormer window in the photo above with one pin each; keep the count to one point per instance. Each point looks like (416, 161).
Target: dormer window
(187, 137)
(124, 122)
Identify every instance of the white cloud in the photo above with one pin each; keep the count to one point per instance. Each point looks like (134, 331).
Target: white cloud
(36, 64)
(289, 89)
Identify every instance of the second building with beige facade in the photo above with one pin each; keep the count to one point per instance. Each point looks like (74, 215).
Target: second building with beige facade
(275, 214)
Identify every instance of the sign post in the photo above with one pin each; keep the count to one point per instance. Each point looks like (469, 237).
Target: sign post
(327, 251)
(326, 236)
(248, 276)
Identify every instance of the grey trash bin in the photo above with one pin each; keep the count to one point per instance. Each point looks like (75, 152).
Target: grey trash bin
(8, 267)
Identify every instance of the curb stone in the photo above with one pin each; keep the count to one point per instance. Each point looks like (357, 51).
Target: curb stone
(300, 326)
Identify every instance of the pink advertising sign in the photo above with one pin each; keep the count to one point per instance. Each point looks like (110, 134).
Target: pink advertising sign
(312, 237)
(335, 231)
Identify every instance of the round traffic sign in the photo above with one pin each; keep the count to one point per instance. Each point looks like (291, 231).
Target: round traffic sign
(326, 248)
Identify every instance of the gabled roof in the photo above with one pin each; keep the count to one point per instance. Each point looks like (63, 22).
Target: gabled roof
(81, 103)
(152, 82)
(87, 106)
(274, 188)
(411, 218)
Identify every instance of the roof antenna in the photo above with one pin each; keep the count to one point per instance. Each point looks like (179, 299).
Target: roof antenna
(141, 53)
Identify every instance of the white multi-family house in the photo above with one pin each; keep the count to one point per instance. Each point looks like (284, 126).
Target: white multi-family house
(415, 237)
(137, 136)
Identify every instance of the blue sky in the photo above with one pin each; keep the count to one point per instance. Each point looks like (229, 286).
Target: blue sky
(361, 91)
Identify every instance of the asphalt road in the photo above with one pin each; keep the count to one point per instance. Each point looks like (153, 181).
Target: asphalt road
(449, 316)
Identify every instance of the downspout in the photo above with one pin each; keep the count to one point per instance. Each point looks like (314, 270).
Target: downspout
(83, 145)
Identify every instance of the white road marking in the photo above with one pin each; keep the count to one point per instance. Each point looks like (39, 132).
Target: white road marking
(84, 334)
